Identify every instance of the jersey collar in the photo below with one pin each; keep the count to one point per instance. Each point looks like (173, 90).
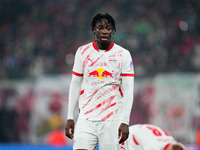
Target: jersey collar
(112, 44)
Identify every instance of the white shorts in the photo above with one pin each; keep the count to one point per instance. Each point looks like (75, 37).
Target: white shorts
(88, 134)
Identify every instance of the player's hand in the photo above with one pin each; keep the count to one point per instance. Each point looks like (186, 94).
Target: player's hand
(123, 133)
(69, 128)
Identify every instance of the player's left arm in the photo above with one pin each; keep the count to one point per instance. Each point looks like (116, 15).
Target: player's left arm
(128, 89)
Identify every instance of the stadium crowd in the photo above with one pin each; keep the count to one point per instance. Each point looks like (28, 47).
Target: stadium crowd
(40, 37)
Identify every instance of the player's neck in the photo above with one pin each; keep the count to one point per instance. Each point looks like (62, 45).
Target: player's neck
(103, 46)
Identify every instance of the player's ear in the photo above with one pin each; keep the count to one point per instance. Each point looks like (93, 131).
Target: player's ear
(113, 31)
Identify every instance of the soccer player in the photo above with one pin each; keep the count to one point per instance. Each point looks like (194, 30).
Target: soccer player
(151, 137)
(102, 82)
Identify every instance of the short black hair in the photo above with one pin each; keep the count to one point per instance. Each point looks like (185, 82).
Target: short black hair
(100, 16)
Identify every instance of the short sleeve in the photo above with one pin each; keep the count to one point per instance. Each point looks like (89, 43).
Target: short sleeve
(127, 65)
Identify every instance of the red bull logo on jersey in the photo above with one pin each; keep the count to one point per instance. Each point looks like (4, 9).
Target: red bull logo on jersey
(100, 73)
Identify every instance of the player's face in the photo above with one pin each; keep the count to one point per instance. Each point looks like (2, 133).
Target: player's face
(103, 31)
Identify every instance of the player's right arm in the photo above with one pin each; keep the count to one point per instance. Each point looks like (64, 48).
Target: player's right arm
(74, 93)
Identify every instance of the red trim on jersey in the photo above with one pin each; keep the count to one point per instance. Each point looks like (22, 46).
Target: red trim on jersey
(136, 142)
(112, 44)
(127, 75)
(166, 146)
(77, 74)
(95, 46)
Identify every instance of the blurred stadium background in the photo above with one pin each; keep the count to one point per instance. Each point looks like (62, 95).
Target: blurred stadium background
(38, 40)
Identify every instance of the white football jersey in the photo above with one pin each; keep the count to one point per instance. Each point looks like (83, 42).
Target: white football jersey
(148, 137)
(101, 94)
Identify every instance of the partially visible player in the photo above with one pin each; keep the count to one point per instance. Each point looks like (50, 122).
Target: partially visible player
(151, 137)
